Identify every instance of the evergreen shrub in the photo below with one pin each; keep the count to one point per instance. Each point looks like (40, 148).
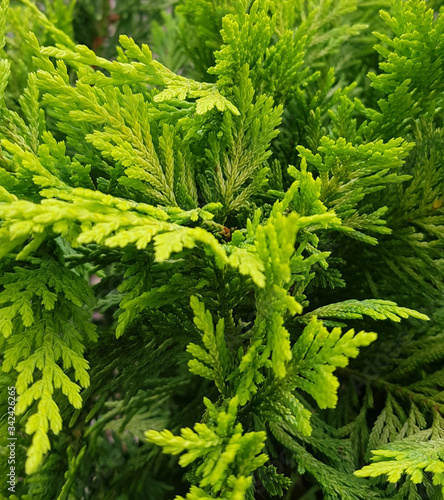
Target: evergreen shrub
(221, 249)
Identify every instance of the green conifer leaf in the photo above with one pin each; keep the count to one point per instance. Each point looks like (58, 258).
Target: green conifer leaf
(218, 196)
(407, 457)
(317, 353)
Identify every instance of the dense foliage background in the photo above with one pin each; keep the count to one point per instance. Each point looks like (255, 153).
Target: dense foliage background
(235, 234)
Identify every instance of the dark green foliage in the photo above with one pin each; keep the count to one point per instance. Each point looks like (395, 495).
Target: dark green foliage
(221, 249)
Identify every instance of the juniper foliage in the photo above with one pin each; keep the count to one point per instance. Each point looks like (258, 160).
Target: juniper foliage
(218, 254)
